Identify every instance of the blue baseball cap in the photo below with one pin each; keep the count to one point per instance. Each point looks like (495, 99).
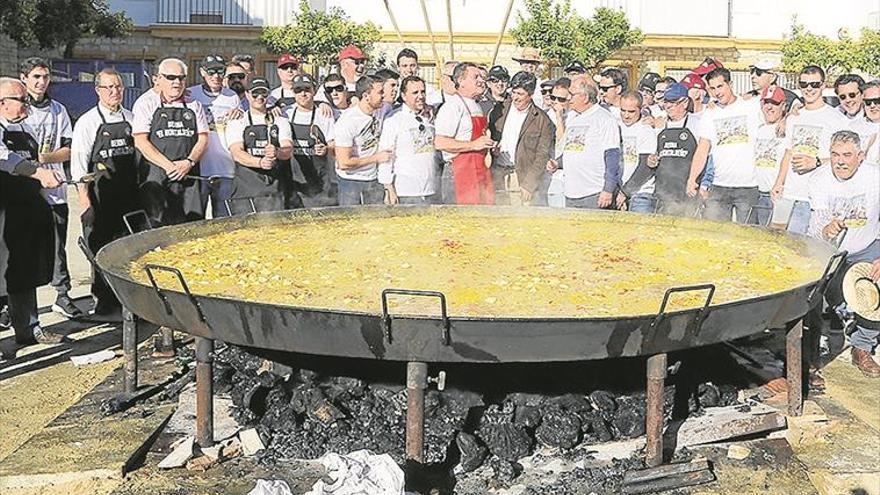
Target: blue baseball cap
(675, 92)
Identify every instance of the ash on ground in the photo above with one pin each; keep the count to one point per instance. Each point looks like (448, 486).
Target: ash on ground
(476, 432)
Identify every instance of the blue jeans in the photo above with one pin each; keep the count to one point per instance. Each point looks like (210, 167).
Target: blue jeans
(723, 202)
(863, 337)
(360, 192)
(433, 199)
(590, 202)
(218, 191)
(763, 210)
(799, 221)
(641, 203)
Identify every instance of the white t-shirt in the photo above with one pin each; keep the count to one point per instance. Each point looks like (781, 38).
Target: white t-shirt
(855, 201)
(869, 135)
(51, 124)
(637, 139)
(454, 120)
(84, 133)
(216, 160)
(414, 168)
(809, 133)
(234, 132)
(146, 105)
(360, 132)
(587, 136)
(769, 151)
(432, 95)
(732, 130)
(510, 136)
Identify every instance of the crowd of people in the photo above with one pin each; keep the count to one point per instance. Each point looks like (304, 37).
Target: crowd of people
(233, 144)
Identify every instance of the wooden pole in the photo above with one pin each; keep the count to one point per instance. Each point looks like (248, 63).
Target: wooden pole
(394, 22)
(501, 33)
(449, 26)
(437, 61)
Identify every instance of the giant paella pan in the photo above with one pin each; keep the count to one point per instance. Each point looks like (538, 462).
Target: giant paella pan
(467, 284)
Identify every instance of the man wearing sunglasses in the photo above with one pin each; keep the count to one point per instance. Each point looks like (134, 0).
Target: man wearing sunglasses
(238, 80)
(807, 146)
(526, 143)
(848, 89)
(868, 127)
(221, 105)
(335, 94)
(27, 234)
(313, 143)
(102, 145)
(50, 120)
(769, 148)
(612, 83)
(411, 176)
(560, 98)
(260, 147)
(352, 65)
(496, 83)
(245, 61)
(287, 68)
(172, 135)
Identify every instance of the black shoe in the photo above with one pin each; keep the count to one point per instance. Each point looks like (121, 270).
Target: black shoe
(47, 337)
(5, 319)
(65, 306)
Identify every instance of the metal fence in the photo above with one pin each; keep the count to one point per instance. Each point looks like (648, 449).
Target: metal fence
(230, 12)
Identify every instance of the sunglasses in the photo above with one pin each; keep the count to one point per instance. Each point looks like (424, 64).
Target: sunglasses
(847, 96)
(335, 89)
(758, 72)
(560, 99)
(421, 123)
(174, 77)
(494, 80)
(301, 90)
(546, 92)
(21, 99)
(606, 88)
(809, 84)
(289, 67)
(260, 94)
(871, 101)
(237, 77)
(215, 72)
(360, 61)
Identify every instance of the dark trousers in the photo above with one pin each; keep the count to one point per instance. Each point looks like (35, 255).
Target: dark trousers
(360, 192)
(433, 199)
(725, 201)
(587, 202)
(24, 316)
(218, 191)
(60, 275)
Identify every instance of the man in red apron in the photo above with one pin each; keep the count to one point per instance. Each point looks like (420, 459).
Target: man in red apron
(461, 136)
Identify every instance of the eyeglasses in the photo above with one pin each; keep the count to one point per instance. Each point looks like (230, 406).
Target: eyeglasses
(215, 72)
(21, 99)
(260, 94)
(421, 123)
(359, 61)
(494, 80)
(809, 84)
(236, 77)
(112, 87)
(560, 99)
(606, 88)
(546, 92)
(847, 96)
(759, 72)
(335, 89)
(289, 67)
(301, 90)
(174, 77)
(871, 101)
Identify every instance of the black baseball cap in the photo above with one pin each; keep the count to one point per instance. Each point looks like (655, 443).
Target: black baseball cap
(304, 81)
(649, 81)
(576, 66)
(499, 72)
(213, 62)
(259, 83)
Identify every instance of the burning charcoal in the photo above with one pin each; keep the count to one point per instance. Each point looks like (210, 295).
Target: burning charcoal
(472, 452)
(559, 428)
(708, 395)
(523, 399)
(729, 395)
(343, 386)
(527, 416)
(506, 440)
(498, 414)
(630, 422)
(505, 471)
(600, 430)
(604, 402)
(268, 379)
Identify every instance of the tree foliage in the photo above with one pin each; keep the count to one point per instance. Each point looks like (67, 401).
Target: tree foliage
(318, 35)
(60, 23)
(562, 35)
(845, 54)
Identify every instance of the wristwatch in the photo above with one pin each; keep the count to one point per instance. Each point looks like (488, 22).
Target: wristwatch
(192, 163)
(818, 162)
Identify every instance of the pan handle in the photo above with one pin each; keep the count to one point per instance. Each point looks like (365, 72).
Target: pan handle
(149, 269)
(131, 226)
(827, 275)
(90, 256)
(754, 209)
(386, 316)
(229, 202)
(701, 313)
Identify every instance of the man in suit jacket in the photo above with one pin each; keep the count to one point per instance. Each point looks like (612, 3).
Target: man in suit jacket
(526, 139)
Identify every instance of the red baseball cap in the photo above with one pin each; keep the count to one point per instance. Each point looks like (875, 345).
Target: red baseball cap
(708, 65)
(693, 80)
(351, 51)
(773, 93)
(287, 59)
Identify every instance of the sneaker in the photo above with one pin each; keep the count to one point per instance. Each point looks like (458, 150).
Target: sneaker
(65, 306)
(5, 319)
(46, 337)
(865, 363)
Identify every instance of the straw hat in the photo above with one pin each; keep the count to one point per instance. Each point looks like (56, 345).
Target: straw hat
(529, 55)
(862, 295)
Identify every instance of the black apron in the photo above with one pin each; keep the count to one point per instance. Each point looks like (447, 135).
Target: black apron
(27, 253)
(284, 101)
(313, 179)
(675, 150)
(174, 132)
(265, 186)
(113, 193)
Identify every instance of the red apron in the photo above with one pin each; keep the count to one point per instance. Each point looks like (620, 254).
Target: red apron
(473, 181)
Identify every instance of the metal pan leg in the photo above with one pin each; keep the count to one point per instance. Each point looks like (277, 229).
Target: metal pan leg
(129, 350)
(416, 383)
(204, 392)
(654, 410)
(794, 368)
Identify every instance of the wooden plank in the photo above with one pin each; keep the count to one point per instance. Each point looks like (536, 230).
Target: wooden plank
(650, 474)
(670, 482)
(725, 423)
